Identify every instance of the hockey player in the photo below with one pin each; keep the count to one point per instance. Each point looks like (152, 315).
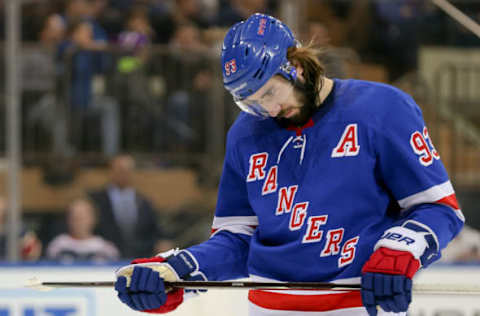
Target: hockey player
(323, 180)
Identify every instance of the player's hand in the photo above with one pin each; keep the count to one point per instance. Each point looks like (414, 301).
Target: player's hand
(140, 285)
(387, 275)
(387, 280)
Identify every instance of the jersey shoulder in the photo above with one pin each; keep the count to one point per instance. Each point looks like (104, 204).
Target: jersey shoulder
(374, 102)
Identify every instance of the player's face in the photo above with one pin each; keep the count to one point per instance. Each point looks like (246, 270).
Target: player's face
(270, 100)
(280, 99)
(304, 98)
(81, 219)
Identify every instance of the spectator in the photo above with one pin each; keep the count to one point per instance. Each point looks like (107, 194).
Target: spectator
(79, 62)
(30, 245)
(188, 88)
(80, 243)
(127, 218)
(80, 58)
(95, 9)
(56, 24)
(132, 81)
(135, 40)
(34, 17)
(189, 11)
(53, 30)
(166, 22)
(187, 38)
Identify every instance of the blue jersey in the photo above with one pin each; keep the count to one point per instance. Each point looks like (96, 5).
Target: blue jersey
(310, 203)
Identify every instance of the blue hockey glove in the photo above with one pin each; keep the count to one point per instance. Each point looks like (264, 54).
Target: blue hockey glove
(387, 280)
(140, 285)
(387, 275)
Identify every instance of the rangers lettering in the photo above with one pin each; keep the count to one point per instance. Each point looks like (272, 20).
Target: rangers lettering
(298, 216)
(334, 238)
(348, 252)
(257, 167)
(285, 199)
(348, 144)
(261, 26)
(270, 184)
(314, 234)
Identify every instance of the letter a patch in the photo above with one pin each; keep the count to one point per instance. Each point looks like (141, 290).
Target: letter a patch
(348, 144)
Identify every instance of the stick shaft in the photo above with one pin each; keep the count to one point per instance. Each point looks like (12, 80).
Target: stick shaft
(223, 285)
(465, 289)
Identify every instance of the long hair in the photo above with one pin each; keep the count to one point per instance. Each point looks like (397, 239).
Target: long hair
(313, 69)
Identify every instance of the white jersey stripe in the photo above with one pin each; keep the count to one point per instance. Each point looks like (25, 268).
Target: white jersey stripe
(235, 224)
(219, 222)
(235, 229)
(432, 195)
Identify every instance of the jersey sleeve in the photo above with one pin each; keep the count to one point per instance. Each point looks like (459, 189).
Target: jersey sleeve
(224, 255)
(412, 170)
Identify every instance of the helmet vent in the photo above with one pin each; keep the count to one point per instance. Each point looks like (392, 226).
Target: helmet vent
(261, 71)
(258, 74)
(265, 60)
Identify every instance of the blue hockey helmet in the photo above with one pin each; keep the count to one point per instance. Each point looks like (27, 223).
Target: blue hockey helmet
(253, 51)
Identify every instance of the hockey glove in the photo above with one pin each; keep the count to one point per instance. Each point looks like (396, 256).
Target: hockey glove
(140, 285)
(387, 275)
(387, 280)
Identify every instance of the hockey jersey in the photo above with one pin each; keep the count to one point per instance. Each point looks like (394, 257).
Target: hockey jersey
(309, 204)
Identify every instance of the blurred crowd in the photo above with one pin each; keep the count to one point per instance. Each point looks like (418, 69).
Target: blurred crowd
(104, 224)
(116, 68)
(117, 76)
(108, 76)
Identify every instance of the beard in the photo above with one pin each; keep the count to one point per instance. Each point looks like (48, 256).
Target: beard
(305, 94)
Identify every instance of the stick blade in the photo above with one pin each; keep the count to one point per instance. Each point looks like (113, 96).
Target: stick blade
(36, 284)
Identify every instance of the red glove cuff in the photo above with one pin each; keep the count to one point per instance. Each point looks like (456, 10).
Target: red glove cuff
(147, 260)
(389, 261)
(175, 298)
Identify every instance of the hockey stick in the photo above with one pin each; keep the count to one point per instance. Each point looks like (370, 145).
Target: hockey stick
(464, 289)
(33, 283)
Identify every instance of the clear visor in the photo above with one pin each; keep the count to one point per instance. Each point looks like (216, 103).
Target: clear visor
(269, 100)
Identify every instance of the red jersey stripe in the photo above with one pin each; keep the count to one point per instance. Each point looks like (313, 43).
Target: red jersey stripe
(450, 200)
(305, 303)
